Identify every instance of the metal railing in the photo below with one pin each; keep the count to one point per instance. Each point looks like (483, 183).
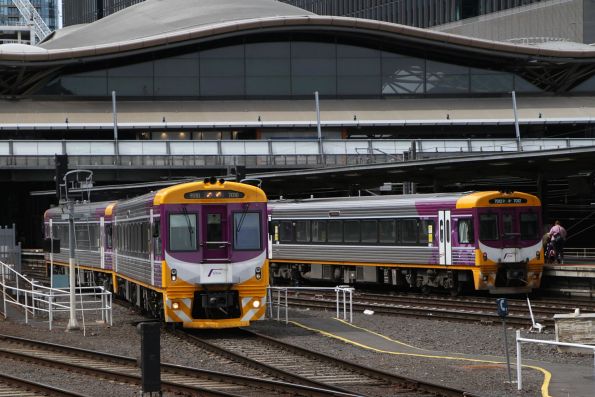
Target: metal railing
(35, 299)
(344, 300)
(580, 253)
(258, 153)
(520, 340)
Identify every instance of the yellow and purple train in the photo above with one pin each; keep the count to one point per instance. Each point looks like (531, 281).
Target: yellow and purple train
(193, 253)
(479, 240)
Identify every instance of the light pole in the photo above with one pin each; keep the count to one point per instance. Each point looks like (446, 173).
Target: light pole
(72, 323)
(86, 184)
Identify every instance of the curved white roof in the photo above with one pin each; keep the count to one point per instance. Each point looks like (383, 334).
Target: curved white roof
(158, 17)
(21, 48)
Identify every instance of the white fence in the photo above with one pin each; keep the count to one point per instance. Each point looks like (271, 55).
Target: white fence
(37, 300)
(520, 340)
(278, 299)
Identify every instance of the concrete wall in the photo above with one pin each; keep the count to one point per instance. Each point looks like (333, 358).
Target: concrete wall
(555, 18)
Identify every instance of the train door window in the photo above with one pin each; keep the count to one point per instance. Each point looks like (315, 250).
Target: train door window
(335, 231)
(286, 231)
(319, 231)
(246, 231)
(387, 231)
(465, 231)
(508, 225)
(407, 231)
(302, 231)
(529, 226)
(182, 232)
(108, 235)
(369, 231)
(351, 231)
(488, 227)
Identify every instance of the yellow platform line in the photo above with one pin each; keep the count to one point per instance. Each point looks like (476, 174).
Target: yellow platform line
(546, 374)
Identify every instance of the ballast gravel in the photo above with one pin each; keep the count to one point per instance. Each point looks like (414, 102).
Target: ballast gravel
(483, 379)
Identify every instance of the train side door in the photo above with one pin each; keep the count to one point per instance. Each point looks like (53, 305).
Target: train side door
(215, 237)
(444, 237)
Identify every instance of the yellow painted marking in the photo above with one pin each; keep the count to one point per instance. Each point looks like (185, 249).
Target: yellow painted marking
(546, 373)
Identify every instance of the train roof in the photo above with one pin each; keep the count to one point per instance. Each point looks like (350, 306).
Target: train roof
(457, 199)
(176, 194)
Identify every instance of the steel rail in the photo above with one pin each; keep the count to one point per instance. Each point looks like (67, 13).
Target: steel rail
(124, 369)
(290, 361)
(22, 387)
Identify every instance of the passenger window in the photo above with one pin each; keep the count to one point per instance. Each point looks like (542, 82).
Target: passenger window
(369, 231)
(387, 231)
(488, 227)
(465, 231)
(335, 231)
(286, 231)
(302, 231)
(182, 232)
(407, 231)
(351, 231)
(319, 231)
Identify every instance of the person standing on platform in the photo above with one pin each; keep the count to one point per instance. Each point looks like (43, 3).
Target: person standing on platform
(558, 235)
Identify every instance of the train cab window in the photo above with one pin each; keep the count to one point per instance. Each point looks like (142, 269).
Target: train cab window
(351, 230)
(387, 231)
(507, 225)
(369, 231)
(302, 231)
(529, 226)
(182, 232)
(335, 231)
(488, 227)
(319, 231)
(246, 231)
(286, 231)
(465, 231)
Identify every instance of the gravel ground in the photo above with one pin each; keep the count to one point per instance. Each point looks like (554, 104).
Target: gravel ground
(483, 379)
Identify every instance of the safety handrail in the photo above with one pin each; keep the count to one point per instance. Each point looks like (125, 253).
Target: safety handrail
(520, 340)
(40, 298)
(342, 293)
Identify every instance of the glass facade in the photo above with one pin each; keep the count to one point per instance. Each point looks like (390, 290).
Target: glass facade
(47, 9)
(85, 11)
(287, 69)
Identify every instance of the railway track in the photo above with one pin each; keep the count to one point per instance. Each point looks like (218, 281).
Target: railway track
(297, 365)
(176, 379)
(471, 309)
(17, 387)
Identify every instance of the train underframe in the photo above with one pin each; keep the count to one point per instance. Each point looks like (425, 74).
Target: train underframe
(509, 278)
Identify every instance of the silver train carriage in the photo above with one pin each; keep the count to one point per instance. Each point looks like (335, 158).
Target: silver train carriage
(480, 240)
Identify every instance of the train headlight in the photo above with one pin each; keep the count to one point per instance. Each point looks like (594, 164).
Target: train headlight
(175, 305)
(538, 254)
(174, 274)
(256, 304)
(258, 273)
(485, 256)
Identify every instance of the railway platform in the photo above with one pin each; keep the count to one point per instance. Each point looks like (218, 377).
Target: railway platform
(575, 277)
(556, 379)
